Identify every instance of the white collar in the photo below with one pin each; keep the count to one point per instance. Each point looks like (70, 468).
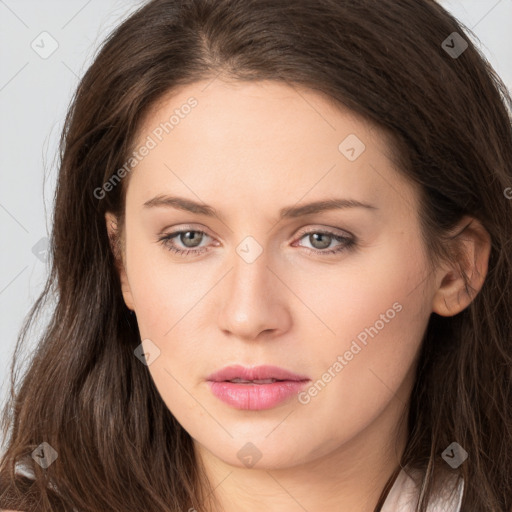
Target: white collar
(404, 494)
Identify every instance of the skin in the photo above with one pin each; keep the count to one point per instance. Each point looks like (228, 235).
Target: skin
(248, 150)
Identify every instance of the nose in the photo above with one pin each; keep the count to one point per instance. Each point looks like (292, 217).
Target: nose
(253, 300)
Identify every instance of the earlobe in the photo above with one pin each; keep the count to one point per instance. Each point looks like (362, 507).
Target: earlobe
(463, 278)
(114, 236)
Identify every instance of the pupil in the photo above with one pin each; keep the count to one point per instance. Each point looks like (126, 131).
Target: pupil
(314, 239)
(189, 237)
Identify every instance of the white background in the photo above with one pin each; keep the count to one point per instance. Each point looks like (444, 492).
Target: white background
(35, 94)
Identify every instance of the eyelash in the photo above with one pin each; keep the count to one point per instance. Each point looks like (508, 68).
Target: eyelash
(349, 243)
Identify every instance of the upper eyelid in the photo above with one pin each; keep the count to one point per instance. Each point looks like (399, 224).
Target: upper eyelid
(314, 229)
(301, 233)
(334, 231)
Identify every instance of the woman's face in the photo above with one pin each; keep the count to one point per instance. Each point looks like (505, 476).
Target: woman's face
(338, 295)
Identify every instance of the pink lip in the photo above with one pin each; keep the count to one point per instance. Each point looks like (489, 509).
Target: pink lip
(254, 396)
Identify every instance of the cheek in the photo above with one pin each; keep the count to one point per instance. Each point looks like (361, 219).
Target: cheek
(378, 312)
(168, 309)
(170, 300)
(164, 291)
(367, 372)
(377, 287)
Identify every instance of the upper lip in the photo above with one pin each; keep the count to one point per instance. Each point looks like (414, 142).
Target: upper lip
(254, 373)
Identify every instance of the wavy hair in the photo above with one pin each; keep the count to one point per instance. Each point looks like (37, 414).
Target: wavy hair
(448, 121)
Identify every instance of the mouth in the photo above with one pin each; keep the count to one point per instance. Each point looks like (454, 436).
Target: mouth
(258, 381)
(264, 374)
(255, 388)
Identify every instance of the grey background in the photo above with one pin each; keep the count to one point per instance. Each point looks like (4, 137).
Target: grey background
(35, 93)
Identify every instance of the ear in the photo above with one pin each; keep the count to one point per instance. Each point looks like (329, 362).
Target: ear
(116, 245)
(461, 280)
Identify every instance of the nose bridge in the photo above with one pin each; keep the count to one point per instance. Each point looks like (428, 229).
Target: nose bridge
(251, 301)
(249, 277)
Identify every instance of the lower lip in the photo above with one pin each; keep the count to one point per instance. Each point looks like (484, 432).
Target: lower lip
(256, 397)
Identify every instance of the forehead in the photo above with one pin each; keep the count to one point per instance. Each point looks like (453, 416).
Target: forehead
(241, 140)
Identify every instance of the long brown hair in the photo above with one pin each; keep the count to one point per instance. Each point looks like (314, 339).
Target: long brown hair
(84, 392)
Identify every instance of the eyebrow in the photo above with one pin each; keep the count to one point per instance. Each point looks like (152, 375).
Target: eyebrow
(288, 212)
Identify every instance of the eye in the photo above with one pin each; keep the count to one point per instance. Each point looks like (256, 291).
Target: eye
(321, 240)
(188, 241)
